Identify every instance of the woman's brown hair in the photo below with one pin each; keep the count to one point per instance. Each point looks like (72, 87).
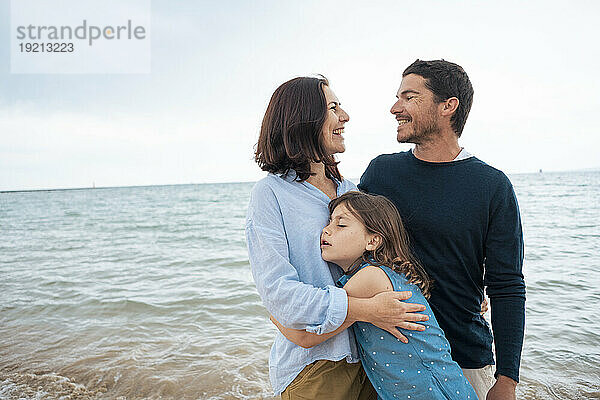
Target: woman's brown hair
(291, 131)
(381, 217)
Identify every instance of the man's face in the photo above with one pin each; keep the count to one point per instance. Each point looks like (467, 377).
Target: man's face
(415, 110)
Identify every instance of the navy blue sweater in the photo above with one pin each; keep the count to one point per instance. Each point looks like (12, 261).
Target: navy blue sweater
(464, 223)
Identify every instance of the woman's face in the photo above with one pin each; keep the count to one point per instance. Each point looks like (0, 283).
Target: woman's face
(333, 128)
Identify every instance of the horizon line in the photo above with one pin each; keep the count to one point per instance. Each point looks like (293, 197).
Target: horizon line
(235, 182)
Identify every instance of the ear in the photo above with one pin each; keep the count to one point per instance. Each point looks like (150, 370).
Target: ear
(449, 106)
(373, 243)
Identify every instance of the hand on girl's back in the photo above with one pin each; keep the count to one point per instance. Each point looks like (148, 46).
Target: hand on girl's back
(390, 311)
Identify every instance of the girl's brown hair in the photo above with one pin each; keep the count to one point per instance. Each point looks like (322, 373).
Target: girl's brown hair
(291, 131)
(381, 217)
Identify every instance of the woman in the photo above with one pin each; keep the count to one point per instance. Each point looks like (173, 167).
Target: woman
(301, 131)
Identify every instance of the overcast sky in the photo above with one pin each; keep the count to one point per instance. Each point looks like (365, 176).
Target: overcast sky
(195, 118)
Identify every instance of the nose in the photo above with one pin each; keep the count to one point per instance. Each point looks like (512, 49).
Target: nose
(397, 107)
(325, 230)
(344, 117)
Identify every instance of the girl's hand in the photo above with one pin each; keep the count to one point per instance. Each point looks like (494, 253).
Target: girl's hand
(390, 312)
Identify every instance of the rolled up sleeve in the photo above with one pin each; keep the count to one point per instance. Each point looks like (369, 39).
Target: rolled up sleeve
(293, 303)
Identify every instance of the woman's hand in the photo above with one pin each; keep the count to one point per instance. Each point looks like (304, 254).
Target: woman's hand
(391, 312)
(388, 311)
(371, 298)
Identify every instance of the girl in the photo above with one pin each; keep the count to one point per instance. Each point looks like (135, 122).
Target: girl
(366, 238)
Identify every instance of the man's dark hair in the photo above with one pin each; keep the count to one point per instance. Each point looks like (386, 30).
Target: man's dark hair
(445, 80)
(291, 131)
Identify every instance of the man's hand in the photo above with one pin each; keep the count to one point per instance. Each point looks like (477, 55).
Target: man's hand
(503, 389)
(390, 311)
(484, 306)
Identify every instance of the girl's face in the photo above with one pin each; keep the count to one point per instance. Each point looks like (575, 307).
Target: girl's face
(345, 238)
(333, 128)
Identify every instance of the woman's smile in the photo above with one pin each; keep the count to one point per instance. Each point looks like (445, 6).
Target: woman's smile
(333, 128)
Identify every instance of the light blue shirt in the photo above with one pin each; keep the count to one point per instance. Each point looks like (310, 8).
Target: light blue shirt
(297, 286)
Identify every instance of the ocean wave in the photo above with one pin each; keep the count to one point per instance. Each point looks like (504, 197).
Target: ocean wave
(20, 386)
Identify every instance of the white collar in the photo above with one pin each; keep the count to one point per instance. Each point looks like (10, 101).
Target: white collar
(463, 155)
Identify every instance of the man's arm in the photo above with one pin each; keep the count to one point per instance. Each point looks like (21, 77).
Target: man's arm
(505, 287)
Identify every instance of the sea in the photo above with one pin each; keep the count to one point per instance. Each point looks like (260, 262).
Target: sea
(146, 292)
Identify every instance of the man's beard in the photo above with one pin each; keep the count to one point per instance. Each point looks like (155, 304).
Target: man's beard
(423, 131)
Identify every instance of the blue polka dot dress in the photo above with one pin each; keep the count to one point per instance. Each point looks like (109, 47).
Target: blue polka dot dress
(421, 369)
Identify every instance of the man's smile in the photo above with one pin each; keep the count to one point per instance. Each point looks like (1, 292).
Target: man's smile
(402, 120)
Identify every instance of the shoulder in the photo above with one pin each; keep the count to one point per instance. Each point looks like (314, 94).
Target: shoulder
(493, 177)
(263, 189)
(379, 169)
(383, 159)
(347, 185)
(368, 282)
(486, 169)
(265, 197)
(270, 186)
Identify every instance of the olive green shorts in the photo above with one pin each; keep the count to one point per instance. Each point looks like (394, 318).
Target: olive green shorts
(332, 380)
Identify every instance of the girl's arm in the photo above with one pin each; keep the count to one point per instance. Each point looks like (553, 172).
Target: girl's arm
(365, 284)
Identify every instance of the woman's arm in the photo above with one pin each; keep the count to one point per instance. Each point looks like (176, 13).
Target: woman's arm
(307, 339)
(298, 305)
(293, 303)
(364, 285)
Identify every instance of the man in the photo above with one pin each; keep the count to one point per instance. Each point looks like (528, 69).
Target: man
(463, 219)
